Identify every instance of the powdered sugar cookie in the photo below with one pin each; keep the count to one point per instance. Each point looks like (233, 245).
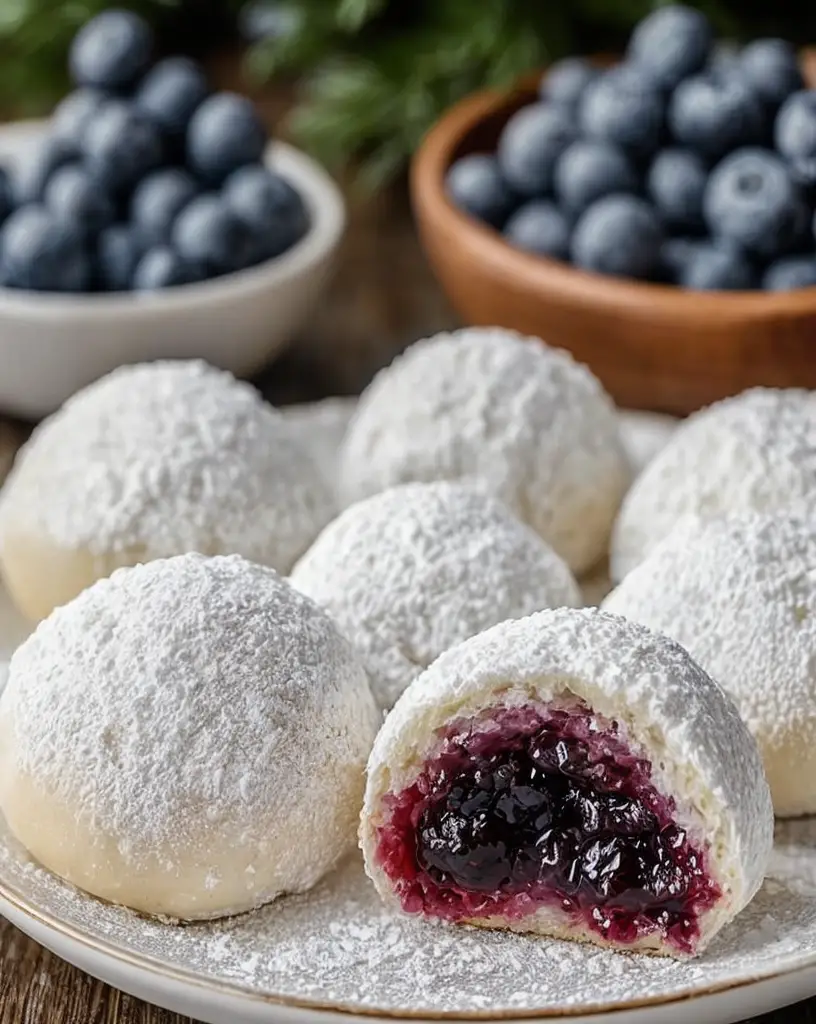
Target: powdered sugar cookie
(524, 421)
(153, 461)
(739, 593)
(408, 573)
(186, 738)
(570, 774)
(755, 451)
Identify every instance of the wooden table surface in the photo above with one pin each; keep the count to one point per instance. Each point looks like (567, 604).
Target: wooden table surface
(382, 298)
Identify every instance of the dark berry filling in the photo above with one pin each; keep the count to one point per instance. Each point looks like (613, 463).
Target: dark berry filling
(542, 806)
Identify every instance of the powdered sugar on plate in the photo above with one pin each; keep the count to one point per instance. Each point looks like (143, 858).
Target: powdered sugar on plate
(339, 947)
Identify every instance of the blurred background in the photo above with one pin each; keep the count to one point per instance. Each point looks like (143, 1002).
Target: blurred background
(357, 83)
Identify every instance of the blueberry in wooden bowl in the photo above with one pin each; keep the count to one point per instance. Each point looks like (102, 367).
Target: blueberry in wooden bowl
(654, 215)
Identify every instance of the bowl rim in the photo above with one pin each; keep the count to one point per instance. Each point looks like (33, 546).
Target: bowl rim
(511, 266)
(328, 217)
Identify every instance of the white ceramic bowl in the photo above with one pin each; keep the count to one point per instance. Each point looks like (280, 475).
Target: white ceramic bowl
(53, 344)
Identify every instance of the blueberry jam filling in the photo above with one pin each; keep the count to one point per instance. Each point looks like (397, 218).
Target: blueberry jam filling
(532, 807)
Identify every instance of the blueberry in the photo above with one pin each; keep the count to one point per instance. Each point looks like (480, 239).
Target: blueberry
(157, 201)
(170, 93)
(74, 114)
(531, 143)
(751, 200)
(619, 235)
(539, 226)
(623, 107)
(671, 44)
(724, 61)
(676, 255)
(589, 170)
(40, 253)
(6, 194)
(162, 267)
(714, 114)
(111, 51)
(564, 83)
(676, 183)
(264, 20)
(795, 134)
(475, 184)
(73, 196)
(790, 273)
(225, 133)
(121, 146)
(36, 169)
(209, 233)
(268, 204)
(771, 69)
(717, 267)
(118, 249)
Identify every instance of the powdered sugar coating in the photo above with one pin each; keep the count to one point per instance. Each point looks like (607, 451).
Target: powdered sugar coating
(195, 719)
(701, 752)
(410, 572)
(525, 421)
(755, 451)
(164, 458)
(321, 426)
(739, 593)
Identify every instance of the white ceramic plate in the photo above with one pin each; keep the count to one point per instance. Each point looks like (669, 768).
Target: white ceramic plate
(336, 954)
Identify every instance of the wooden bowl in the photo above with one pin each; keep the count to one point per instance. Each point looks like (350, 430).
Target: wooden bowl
(654, 347)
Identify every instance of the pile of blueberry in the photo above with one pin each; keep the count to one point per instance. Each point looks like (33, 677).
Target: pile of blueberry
(145, 180)
(691, 163)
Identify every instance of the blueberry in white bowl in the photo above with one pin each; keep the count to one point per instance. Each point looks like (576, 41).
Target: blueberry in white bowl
(40, 252)
(120, 146)
(157, 201)
(171, 92)
(39, 163)
(208, 232)
(111, 51)
(476, 185)
(118, 249)
(225, 133)
(73, 196)
(270, 205)
(73, 115)
(163, 267)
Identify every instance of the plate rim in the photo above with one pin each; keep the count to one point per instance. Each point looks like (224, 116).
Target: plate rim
(99, 946)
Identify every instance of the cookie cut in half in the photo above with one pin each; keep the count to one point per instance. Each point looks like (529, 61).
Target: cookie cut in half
(569, 774)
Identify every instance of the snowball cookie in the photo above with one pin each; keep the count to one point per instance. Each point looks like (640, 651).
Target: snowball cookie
(186, 738)
(525, 421)
(755, 451)
(153, 461)
(410, 572)
(321, 427)
(574, 775)
(739, 593)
